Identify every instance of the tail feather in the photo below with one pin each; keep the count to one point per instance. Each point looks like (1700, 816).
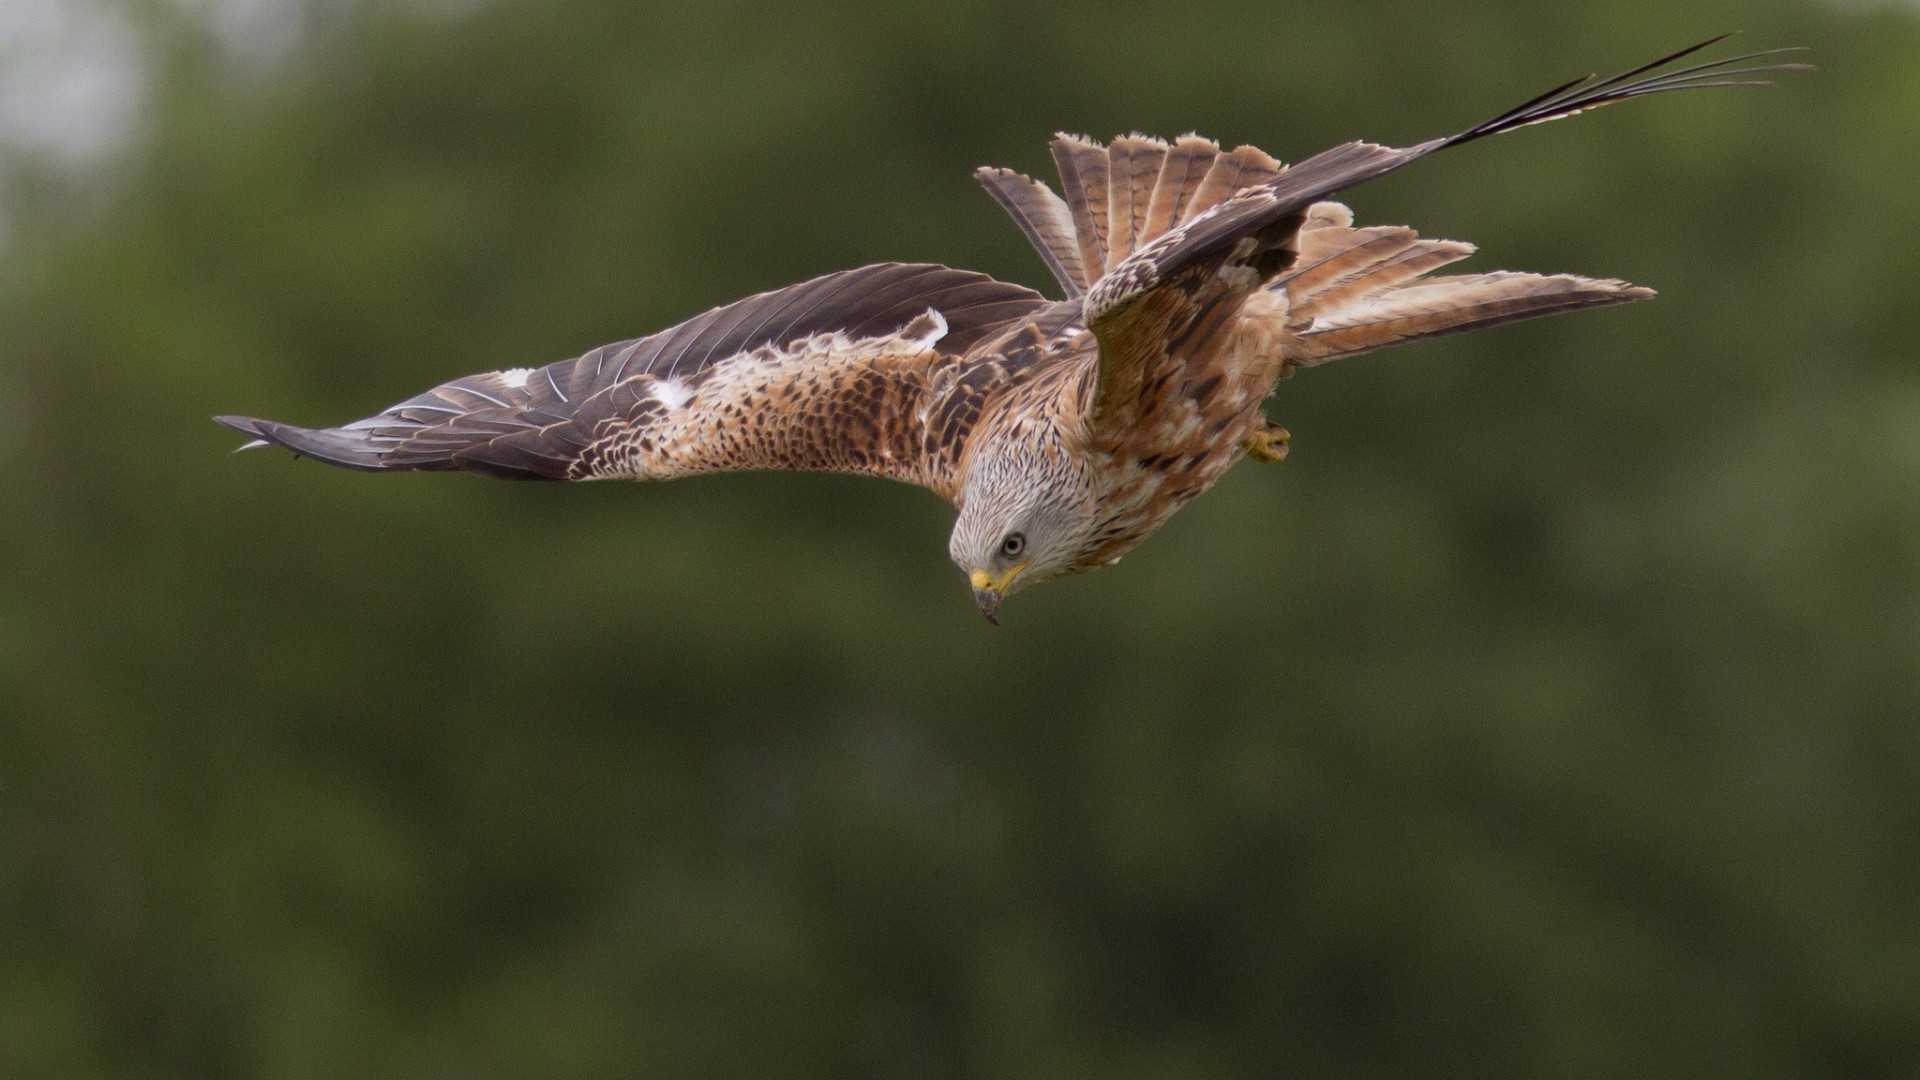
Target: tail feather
(1186, 165)
(1134, 165)
(1243, 167)
(1046, 220)
(1083, 166)
(1115, 198)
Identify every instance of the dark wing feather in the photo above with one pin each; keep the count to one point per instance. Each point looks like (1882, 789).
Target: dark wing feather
(819, 375)
(1209, 238)
(1169, 293)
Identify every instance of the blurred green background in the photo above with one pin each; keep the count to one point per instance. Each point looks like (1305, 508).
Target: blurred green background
(1553, 712)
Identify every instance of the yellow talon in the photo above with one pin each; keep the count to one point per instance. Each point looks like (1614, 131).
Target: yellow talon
(1268, 443)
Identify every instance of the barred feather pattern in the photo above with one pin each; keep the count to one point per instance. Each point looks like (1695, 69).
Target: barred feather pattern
(1118, 196)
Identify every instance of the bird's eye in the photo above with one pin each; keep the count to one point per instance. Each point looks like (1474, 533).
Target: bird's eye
(1014, 544)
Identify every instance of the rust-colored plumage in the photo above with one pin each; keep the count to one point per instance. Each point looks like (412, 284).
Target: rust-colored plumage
(1065, 432)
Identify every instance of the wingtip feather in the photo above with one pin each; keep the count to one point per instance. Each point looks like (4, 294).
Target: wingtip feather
(245, 426)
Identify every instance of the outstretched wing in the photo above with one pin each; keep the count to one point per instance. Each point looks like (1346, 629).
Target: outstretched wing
(1353, 290)
(829, 375)
(1164, 302)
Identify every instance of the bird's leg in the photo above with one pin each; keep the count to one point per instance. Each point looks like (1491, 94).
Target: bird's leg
(1268, 442)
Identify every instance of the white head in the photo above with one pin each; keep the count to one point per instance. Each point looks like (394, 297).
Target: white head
(1025, 516)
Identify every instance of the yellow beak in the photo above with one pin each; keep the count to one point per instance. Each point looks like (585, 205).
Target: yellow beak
(988, 591)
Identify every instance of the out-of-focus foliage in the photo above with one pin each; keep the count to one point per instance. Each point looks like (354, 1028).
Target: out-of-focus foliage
(1554, 712)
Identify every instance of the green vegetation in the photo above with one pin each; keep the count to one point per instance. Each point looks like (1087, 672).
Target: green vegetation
(1553, 712)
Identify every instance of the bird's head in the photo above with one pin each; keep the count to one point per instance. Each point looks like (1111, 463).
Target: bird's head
(1024, 517)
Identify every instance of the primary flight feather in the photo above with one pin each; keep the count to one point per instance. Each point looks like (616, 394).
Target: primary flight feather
(1064, 432)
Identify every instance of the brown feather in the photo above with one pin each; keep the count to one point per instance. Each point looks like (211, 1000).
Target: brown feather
(1046, 220)
(922, 373)
(1243, 167)
(1083, 184)
(1285, 198)
(1327, 215)
(1133, 171)
(1337, 266)
(829, 389)
(1450, 305)
(1181, 173)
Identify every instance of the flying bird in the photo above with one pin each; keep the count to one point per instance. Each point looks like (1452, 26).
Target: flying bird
(1063, 431)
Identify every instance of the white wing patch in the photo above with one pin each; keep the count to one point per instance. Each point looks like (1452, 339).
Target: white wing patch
(515, 378)
(671, 392)
(921, 334)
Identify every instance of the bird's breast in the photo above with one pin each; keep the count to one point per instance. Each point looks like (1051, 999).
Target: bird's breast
(1189, 430)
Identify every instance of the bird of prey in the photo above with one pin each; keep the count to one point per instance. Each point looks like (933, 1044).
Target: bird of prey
(1063, 431)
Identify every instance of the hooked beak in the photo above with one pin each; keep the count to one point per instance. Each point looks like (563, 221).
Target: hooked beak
(988, 591)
